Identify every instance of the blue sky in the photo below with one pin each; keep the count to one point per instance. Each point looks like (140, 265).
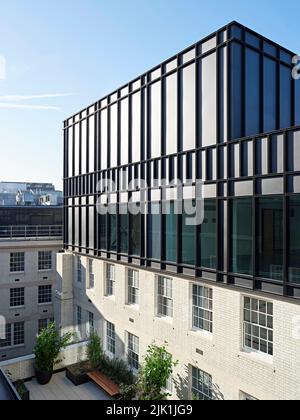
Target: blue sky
(82, 50)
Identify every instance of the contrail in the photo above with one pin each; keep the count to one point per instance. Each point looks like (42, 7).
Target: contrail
(30, 97)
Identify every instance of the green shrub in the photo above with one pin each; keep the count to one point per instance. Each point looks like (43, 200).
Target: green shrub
(48, 346)
(157, 369)
(117, 370)
(95, 353)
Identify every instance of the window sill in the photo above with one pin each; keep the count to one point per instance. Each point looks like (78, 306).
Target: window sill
(257, 356)
(132, 307)
(46, 271)
(13, 308)
(202, 334)
(45, 304)
(14, 273)
(165, 319)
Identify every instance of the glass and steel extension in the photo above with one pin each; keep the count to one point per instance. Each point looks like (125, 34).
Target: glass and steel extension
(226, 111)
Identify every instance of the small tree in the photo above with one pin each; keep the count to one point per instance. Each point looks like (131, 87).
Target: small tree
(94, 351)
(48, 346)
(157, 369)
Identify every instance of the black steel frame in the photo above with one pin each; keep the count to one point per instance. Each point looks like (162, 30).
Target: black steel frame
(83, 186)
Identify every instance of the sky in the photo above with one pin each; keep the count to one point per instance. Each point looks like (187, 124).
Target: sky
(62, 55)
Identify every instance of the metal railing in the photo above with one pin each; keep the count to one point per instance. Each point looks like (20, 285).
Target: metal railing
(31, 232)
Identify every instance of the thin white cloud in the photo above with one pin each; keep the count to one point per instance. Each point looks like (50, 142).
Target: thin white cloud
(4, 105)
(31, 97)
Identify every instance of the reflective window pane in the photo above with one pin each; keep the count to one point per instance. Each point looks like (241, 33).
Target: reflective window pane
(114, 136)
(171, 114)
(124, 132)
(171, 233)
(155, 111)
(252, 92)
(294, 239)
(208, 239)
(270, 240)
(188, 107)
(154, 232)
(104, 139)
(241, 236)
(136, 127)
(188, 235)
(209, 98)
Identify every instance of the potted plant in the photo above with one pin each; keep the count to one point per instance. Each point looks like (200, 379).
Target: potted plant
(48, 346)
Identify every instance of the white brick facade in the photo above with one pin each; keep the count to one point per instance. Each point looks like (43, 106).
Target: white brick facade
(30, 280)
(221, 354)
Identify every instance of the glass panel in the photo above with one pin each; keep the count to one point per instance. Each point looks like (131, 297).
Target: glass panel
(136, 127)
(104, 139)
(83, 147)
(253, 40)
(91, 227)
(124, 132)
(270, 97)
(77, 150)
(294, 242)
(209, 45)
(112, 225)
(114, 136)
(188, 110)
(297, 102)
(135, 238)
(236, 91)
(252, 92)
(92, 144)
(102, 232)
(285, 97)
(123, 229)
(241, 236)
(154, 232)
(209, 99)
(171, 114)
(171, 234)
(188, 235)
(271, 238)
(155, 109)
(70, 135)
(208, 240)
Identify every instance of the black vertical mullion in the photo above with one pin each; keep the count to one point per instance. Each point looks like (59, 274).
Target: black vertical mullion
(286, 220)
(255, 218)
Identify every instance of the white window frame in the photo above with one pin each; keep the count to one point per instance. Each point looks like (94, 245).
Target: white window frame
(43, 258)
(132, 350)
(90, 323)
(204, 308)
(257, 330)
(17, 258)
(207, 384)
(110, 280)
(133, 287)
(91, 274)
(164, 297)
(47, 321)
(44, 288)
(110, 340)
(12, 332)
(78, 269)
(15, 298)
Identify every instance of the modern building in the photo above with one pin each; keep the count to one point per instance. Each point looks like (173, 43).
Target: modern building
(29, 194)
(223, 295)
(30, 237)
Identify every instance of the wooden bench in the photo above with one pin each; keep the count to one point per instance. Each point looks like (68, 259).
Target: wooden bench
(105, 383)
